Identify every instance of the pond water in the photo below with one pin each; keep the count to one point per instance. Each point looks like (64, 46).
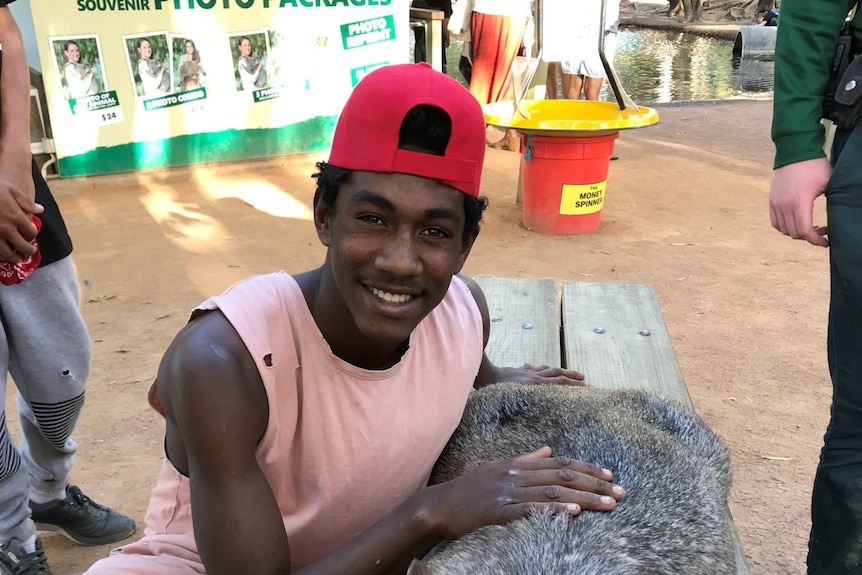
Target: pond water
(664, 66)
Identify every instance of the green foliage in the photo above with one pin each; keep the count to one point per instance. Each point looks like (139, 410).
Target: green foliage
(274, 37)
(179, 50)
(88, 47)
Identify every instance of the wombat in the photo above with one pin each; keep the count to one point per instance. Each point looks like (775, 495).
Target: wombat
(676, 473)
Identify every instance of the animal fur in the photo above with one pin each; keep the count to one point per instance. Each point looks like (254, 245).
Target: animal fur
(250, 64)
(675, 470)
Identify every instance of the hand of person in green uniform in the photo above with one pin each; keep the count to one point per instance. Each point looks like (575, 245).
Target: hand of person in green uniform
(791, 199)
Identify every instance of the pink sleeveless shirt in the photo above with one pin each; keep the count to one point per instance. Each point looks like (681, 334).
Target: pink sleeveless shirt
(344, 446)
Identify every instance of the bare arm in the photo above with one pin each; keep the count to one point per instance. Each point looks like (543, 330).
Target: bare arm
(212, 436)
(14, 96)
(216, 411)
(17, 192)
(490, 373)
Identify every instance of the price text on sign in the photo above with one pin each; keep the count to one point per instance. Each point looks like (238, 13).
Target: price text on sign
(582, 199)
(101, 117)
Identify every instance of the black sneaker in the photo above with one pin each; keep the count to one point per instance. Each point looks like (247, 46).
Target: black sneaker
(15, 561)
(81, 519)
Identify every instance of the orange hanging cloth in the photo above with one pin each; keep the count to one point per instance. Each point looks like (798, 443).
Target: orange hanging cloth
(497, 40)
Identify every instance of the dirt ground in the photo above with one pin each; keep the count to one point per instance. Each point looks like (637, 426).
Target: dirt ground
(685, 213)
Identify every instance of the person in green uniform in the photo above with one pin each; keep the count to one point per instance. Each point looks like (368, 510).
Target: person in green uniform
(803, 57)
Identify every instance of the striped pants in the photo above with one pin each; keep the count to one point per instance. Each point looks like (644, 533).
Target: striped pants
(45, 347)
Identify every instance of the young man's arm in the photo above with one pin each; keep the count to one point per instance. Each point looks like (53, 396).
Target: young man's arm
(17, 192)
(490, 373)
(216, 410)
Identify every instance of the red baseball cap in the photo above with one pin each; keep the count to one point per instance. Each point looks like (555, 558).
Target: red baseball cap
(366, 136)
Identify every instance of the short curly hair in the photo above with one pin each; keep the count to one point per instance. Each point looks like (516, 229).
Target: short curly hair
(425, 129)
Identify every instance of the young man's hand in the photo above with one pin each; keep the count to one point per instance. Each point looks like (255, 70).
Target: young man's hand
(537, 375)
(502, 491)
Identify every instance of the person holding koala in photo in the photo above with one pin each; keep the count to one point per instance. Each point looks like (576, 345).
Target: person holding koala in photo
(154, 77)
(79, 75)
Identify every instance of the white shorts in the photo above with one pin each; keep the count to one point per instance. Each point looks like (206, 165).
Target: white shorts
(592, 66)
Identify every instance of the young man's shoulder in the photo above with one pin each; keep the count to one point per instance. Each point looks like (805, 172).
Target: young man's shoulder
(252, 314)
(256, 289)
(206, 341)
(206, 354)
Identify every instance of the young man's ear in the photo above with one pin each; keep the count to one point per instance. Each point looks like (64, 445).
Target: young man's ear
(322, 220)
(466, 246)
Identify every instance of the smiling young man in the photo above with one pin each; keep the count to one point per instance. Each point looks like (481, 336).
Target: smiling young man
(304, 413)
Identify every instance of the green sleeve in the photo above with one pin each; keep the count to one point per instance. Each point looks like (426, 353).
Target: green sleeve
(807, 31)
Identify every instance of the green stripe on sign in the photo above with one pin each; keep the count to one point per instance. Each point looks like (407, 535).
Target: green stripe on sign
(313, 135)
(367, 32)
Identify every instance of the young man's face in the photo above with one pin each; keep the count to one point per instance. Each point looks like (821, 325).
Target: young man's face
(395, 240)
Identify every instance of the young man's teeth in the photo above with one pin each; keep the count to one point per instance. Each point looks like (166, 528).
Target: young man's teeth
(391, 297)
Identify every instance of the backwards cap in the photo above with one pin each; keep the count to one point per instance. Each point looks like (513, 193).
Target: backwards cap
(366, 136)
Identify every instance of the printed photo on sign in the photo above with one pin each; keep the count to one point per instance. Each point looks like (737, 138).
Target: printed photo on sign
(79, 66)
(291, 72)
(189, 72)
(251, 60)
(149, 60)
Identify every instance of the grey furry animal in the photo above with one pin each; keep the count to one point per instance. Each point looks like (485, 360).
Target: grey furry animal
(152, 67)
(249, 65)
(80, 79)
(676, 472)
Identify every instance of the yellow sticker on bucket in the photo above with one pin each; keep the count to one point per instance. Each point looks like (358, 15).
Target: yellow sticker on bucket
(582, 199)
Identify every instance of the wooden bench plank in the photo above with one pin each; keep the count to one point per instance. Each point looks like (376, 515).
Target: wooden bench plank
(514, 303)
(616, 335)
(620, 355)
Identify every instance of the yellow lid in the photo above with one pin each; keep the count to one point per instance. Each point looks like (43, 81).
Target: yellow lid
(567, 117)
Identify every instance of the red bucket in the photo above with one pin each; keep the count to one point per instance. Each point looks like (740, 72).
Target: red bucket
(563, 182)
